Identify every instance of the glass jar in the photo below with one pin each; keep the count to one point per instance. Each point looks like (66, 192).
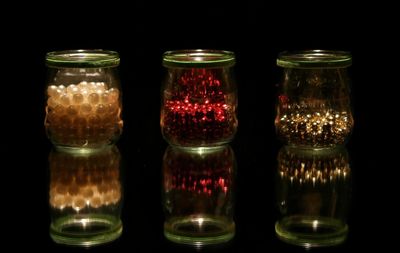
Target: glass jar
(83, 99)
(85, 197)
(313, 195)
(199, 99)
(198, 195)
(314, 102)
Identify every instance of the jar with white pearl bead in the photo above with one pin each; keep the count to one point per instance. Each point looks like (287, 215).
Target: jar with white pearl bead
(83, 99)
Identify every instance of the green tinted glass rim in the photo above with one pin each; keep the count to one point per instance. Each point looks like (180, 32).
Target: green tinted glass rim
(82, 59)
(198, 58)
(314, 59)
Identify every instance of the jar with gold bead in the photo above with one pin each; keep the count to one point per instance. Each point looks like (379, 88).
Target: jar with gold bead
(83, 99)
(313, 108)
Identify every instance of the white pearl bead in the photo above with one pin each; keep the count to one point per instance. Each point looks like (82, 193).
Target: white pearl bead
(105, 98)
(94, 98)
(51, 102)
(80, 122)
(72, 110)
(52, 91)
(83, 85)
(59, 110)
(72, 89)
(101, 109)
(114, 94)
(85, 109)
(77, 98)
(93, 120)
(64, 100)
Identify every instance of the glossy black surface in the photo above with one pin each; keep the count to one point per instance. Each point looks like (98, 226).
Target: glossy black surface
(141, 35)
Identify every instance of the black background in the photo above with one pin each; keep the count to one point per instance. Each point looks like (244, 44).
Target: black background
(256, 32)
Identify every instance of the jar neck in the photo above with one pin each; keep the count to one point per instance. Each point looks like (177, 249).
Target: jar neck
(310, 59)
(198, 58)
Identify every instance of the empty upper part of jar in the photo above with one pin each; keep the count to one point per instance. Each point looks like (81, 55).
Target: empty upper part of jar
(198, 58)
(314, 59)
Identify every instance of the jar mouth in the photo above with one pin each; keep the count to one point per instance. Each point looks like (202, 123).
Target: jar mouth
(81, 58)
(198, 58)
(314, 59)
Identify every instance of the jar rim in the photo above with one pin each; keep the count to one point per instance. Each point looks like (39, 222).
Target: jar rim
(202, 58)
(82, 58)
(314, 59)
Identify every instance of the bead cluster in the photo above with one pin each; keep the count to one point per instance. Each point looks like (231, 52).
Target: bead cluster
(198, 174)
(86, 114)
(197, 110)
(303, 167)
(80, 182)
(325, 127)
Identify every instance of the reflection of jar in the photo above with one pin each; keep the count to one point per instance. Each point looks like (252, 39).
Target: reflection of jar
(314, 103)
(198, 189)
(85, 197)
(199, 98)
(83, 98)
(313, 195)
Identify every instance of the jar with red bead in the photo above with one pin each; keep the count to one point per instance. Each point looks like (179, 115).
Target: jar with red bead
(83, 99)
(199, 98)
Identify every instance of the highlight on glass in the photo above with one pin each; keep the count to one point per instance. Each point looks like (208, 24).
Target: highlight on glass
(83, 99)
(85, 197)
(198, 195)
(313, 195)
(314, 102)
(199, 98)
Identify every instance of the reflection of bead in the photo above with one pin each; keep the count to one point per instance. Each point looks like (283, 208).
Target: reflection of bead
(87, 193)
(95, 202)
(58, 202)
(61, 189)
(73, 189)
(81, 182)
(79, 203)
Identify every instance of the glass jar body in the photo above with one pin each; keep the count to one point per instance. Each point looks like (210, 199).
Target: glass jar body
(198, 195)
(83, 106)
(314, 104)
(313, 195)
(85, 197)
(199, 104)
